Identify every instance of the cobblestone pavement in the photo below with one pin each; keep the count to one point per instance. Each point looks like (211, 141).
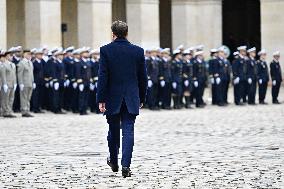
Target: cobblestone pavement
(231, 147)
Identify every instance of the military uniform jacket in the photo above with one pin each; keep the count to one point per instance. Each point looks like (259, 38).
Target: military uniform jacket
(69, 67)
(240, 68)
(211, 64)
(275, 71)
(94, 70)
(199, 70)
(8, 75)
(153, 69)
(262, 71)
(58, 72)
(251, 69)
(177, 71)
(83, 72)
(218, 68)
(165, 70)
(25, 72)
(227, 70)
(187, 70)
(38, 71)
(48, 69)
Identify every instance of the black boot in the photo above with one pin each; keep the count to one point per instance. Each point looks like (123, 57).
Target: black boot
(187, 102)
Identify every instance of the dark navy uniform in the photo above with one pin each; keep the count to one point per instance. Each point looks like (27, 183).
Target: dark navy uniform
(74, 84)
(252, 79)
(93, 88)
(239, 75)
(276, 77)
(177, 79)
(226, 79)
(37, 96)
(219, 76)
(16, 104)
(69, 72)
(263, 79)
(47, 72)
(83, 77)
(153, 77)
(199, 78)
(187, 81)
(211, 68)
(165, 76)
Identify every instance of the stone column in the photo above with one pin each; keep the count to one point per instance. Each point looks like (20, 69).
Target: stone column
(3, 24)
(43, 23)
(197, 22)
(272, 30)
(143, 21)
(94, 22)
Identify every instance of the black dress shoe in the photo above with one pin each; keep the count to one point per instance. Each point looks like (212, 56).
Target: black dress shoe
(10, 116)
(114, 167)
(126, 172)
(27, 115)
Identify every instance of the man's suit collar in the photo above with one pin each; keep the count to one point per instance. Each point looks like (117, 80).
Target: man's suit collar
(121, 40)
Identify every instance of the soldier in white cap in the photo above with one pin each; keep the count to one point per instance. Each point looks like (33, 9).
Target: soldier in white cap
(9, 82)
(276, 76)
(262, 76)
(187, 76)
(94, 61)
(251, 75)
(25, 82)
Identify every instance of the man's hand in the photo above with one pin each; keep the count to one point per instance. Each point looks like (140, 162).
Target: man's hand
(102, 107)
(141, 105)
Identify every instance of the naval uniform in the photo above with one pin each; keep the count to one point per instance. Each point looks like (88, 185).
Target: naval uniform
(263, 79)
(276, 77)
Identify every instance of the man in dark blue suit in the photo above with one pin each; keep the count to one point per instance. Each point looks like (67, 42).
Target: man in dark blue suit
(122, 86)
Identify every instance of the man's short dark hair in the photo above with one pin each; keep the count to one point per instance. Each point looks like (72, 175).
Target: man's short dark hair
(119, 29)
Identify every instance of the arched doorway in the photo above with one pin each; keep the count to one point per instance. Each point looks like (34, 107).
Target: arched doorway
(241, 23)
(69, 27)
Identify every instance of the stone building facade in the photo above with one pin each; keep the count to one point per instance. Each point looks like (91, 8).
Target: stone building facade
(166, 23)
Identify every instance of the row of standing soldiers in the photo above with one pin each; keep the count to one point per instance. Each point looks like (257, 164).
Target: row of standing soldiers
(184, 76)
(53, 80)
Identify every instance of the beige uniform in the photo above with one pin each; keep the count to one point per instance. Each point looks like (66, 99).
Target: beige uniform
(8, 77)
(25, 78)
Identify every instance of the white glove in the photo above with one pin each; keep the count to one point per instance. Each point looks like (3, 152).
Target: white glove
(81, 87)
(92, 87)
(56, 86)
(218, 80)
(260, 81)
(212, 80)
(15, 87)
(150, 83)
(237, 80)
(74, 85)
(186, 83)
(195, 84)
(21, 87)
(274, 82)
(51, 83)
(34, 86)
(5, 88)
(249, 80)
(67, 82)
(47, 85)
(162, 83)
(174, 85)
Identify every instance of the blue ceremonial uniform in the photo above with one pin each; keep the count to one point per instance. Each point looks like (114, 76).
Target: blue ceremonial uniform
(199, 76)
(226, 79)
(69, 72)
(239, 72)
(251, 75)
(37, 96)
(165, 75)
(177, 78)
(276, 75)
(93, 90)
(187, 77)
(16, 103)
(263, 79)
(122, 86)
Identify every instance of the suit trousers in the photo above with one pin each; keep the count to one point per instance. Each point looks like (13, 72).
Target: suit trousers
(7, 101)
(125, 121)
(25, 98)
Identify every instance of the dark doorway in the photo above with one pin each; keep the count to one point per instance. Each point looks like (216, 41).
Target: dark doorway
(165, 23)
(119, 10)
(241, 23)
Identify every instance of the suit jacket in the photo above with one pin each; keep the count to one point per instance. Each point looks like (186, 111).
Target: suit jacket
(122, 76)
(25, 72)
(8, 75)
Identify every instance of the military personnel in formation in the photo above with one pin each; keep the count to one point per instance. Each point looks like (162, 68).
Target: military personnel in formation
(2, 60)
(239, 75)
(226, 78)
(25, 82)
(199, 78)
(251, 75)
(187, 76)
(95, 58)
(83, 78)
(262, 76)
(177, 78)
(276, 76)
(38, 92)
(68, 63)
(212, 64)
(165, 79)
(17, 56)
(75, 90)
(9, 82)
(153, 80)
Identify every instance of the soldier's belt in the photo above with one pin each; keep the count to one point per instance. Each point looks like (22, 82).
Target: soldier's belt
(185, 75)
(65, 76)
(46, 78)
(149, 77)
(79, 80)
(91, 80)
(216, 75)
(96, 78)
(55, 80)
(161, 78)
(73, 80)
